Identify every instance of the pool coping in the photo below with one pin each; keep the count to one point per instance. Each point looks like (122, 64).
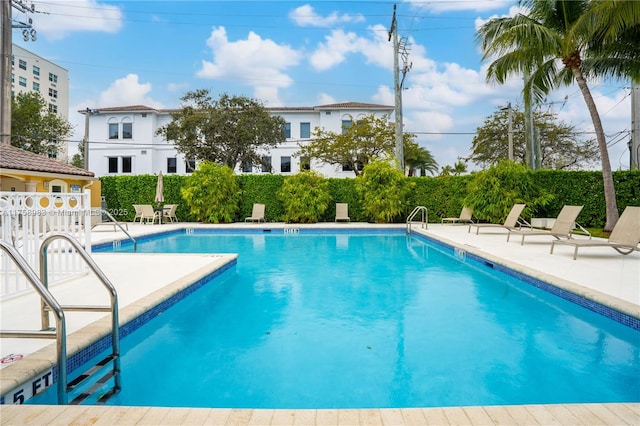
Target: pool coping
(93, 338)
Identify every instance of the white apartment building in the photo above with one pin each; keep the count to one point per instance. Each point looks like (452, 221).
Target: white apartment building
(123, 140)
(33, 73)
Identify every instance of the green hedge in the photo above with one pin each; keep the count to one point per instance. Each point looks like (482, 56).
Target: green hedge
(441, 195)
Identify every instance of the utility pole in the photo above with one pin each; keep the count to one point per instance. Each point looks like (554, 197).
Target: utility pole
(6, 41)
(635, 126)
(5, 73)
(399, 48)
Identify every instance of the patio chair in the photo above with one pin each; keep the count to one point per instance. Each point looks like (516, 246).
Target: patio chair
(149, 214)
(465, 217)
(624, 238)
(563, 227)
(169, 212)
(342, 212)
(512, 221)
(257, 214)
(138, 210)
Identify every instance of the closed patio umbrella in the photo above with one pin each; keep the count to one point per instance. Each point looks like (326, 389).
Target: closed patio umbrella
(160, 189)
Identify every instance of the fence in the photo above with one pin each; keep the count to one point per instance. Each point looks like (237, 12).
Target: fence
(26, 218)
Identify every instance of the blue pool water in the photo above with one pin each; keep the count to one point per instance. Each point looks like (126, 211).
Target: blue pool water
(356, 320)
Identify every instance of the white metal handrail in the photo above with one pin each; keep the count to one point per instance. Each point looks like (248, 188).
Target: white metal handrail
(424, 217)
(60, 332)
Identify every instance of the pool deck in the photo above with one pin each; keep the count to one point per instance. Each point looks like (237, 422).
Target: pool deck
(599, 273)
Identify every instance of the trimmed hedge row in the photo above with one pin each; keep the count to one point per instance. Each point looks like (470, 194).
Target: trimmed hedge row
(441, 195)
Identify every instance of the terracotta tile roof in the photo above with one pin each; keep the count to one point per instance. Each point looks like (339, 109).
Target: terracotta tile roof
(19, 159)
(353, 105)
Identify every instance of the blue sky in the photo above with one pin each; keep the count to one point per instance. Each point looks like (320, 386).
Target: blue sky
(297, 53)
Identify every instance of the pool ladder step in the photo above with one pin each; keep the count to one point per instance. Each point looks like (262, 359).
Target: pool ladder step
(99, 384)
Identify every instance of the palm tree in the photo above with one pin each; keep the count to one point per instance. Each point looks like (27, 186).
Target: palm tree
(418, 158)
(559, 42)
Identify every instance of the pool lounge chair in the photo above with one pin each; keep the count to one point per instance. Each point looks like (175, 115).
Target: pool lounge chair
(624, 238)
(147, 213)
(563, 227)
(169, 212)
(257, 214)
(465, 217)
(342, 212)
(512, 221)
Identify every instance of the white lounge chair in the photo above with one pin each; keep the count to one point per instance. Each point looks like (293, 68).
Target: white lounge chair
(563, 227)
(342, 212)
(257, 214)
(512, 221)
(624, 237)
(465, 217)
(169, 212)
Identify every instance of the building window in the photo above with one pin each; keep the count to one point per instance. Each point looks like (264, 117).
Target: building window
(127, 130)
(172, 165)
(285, 164)
(36, 70)
(113, 130)
(287, 130)
(190, 165)
(113, 164)
(305, 130)
(345, 125)
(346, 167)
(36, 86)
(53, 108)
(305, 163)
(53, 78)
(266, 164)
(52, 154)
(22, 81)
(22, 64)
(126, 164)
(247, 167)
(53, 93)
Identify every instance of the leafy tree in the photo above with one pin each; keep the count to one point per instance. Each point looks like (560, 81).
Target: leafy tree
(561, 148)
(493, 192)
(35, 128)
(384, 191)
(212, 193)
(78, 158)
(305, 197)
(229, 131)
(364, 140)
(561, 41)
(418, 158)
(459, 168)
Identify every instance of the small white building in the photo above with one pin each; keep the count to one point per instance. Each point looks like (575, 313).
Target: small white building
(123, 140)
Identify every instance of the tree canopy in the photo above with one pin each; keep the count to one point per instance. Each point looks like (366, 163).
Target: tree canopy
(34, 127)
(365, 140)
(561, 146)
(230, 131)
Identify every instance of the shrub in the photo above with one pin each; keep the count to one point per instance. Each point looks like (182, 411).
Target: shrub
(493, 192)
(384, 191)
(212, 193)
(305, 197)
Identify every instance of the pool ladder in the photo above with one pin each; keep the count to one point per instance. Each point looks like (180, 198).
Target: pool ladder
(50, 304)
(424, 218)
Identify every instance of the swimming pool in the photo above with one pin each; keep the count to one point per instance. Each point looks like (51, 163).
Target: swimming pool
(346, 320)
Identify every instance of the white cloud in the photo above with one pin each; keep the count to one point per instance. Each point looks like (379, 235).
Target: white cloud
(326, 99)
(58, 19)
(128, 91)
(306, 16)
(177, 87)
(513, 11)
(338, 44)
(253, 61)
